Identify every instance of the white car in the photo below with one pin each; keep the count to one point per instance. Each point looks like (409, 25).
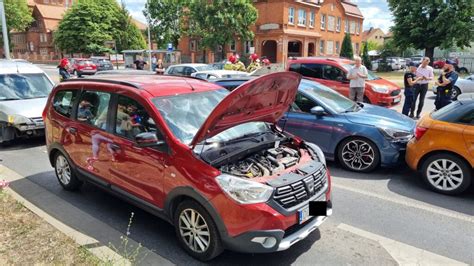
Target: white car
(462, 85)
(24, 90)
(219, 74)
(186, 69)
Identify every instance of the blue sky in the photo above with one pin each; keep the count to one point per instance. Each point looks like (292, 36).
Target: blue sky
(376, 12)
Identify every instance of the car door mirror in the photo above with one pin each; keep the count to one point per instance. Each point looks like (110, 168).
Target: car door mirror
(318, 111)
(148, 139)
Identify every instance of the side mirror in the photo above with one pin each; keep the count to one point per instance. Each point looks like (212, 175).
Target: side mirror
(148, 139)
(318, 111)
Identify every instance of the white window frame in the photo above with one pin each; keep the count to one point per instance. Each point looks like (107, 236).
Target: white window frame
(338, 46)
(338, 24)
(248, 45)
(291, 15)
(352, 27)
(321, 46)
(312, 17)
(346, 25)
(357, 27)
(323, 21)
(302, 17)
(331, 23)
(329, 47)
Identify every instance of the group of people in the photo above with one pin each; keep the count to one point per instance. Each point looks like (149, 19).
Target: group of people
(156, 64)
(416, 82)
(234, 63)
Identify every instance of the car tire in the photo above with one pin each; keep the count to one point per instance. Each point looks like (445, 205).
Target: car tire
(455, 93)
(463, 70)
(446, 173)
(358, 154)
(366, 100)
(186, 232)
(65, 173)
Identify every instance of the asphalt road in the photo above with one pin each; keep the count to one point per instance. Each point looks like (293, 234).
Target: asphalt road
(387, 217)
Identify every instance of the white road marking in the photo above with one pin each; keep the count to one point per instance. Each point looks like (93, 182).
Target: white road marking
(403, 253)
(410, 203)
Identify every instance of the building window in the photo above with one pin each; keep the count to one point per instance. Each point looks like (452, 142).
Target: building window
(249, 48)
(357, 48)
(232, 45)
(352, 28)
(337, 47)
(357, 27)
(192, 45)
(331, 23)
(311, 19)
(346, 26)
(321, 46)
(330, 48)
(323, 21)
(44, 51)
(43, 37)
(301, 17)
(338, 24)
(291, 15)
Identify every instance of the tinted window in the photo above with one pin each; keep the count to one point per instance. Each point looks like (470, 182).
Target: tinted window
(452, 113)
(24, 86)
(333, 73)
(331, 99)
(303, 103)
(132, 118)
(177, 70)
(63, 102)
(295, 68)
(188, 71)
(93, 108)
(312, 70)
(468, 118)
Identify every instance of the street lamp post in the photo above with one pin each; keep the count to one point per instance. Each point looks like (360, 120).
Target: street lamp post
(6, 47)
(149, 35)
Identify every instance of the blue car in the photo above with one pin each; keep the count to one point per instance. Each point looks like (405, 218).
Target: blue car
(360, 136)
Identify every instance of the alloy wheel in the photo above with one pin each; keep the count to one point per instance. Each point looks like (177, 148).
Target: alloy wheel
(194, 230)
(358, 155)
(444, 174)
(63, 170)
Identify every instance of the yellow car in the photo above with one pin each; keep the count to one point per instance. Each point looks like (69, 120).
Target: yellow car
(443, 147)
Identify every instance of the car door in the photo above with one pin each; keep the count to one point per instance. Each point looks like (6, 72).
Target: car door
(468, 132)
(137, 170)
(301, 122)
(92, 142)
(335, 78)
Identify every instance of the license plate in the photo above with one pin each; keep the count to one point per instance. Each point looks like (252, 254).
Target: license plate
(88, 67)
(396, 100)
(304, 213)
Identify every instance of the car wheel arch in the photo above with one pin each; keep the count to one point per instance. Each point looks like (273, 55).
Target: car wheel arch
(435, 152)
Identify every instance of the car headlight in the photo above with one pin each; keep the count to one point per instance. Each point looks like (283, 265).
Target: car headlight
(18, 119)
(244, 191)
(395, 134)
(380, 89)
(317, 151)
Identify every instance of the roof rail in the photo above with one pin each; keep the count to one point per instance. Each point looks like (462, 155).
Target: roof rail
(119, 82)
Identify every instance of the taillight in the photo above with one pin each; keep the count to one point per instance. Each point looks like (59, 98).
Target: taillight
(419, 132)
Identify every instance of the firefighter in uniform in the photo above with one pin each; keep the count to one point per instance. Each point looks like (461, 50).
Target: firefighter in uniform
(254, 63)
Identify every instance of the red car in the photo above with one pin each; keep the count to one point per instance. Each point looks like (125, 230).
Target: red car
(332, 72)
(438, 64)
(82, 66)
(211, 162)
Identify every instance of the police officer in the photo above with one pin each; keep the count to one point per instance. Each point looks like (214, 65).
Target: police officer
(409, 79)
(445, 84)
(254, 63)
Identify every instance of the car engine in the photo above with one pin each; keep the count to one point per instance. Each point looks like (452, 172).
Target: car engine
(264, 163)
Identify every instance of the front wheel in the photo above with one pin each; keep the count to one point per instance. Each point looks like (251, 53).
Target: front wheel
(196, 231)
(64, 172)
(358, 155)
(446, 173)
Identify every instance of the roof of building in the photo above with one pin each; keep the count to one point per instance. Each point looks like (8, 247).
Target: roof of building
(367, 33)
(31, 2)
(351, 9)
(51, 12)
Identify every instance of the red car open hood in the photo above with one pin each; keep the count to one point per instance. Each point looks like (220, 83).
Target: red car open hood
(264, 99)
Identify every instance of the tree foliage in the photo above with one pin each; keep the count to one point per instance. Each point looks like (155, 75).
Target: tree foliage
(428, 24)
(17, 14)
(365, 56)
(372, 46)
(166, 20)
(346, 47)
(88, 24)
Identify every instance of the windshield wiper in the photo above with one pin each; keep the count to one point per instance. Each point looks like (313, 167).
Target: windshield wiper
(35, 97)
(9, 99)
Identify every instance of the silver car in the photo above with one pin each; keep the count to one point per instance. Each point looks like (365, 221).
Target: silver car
(24, 89)
(462, 85)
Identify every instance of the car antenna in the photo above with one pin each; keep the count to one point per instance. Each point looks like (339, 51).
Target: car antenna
(286, 118)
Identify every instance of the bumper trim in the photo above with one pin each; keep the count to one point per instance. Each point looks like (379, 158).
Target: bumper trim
(301, 234)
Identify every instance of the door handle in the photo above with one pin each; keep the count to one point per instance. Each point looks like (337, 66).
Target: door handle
(72, 130)
(115, 147)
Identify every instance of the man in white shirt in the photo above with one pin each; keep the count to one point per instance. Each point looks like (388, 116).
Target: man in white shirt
(425, 73)
(357, 76)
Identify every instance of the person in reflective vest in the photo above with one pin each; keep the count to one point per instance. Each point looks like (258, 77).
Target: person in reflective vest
(254, 63)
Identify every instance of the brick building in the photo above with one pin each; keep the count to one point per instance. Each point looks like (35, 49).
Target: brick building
(375, 35)
(291, 28)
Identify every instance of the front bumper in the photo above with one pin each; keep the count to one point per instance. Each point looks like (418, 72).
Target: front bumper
(87, 71)
(392, 154)
(265, 241)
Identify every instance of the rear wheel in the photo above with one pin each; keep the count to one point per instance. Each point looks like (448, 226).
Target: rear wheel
(366, 99)
(358, 154)
(463, 70)
(196, 231)
(65, 174)
(455, 93)
(446, 173)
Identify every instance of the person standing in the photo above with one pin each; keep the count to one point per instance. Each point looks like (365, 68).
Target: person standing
(153, 63)
(409, 80)
(357, 76)
(445, 83)
(63, 69)
(139, 63)
(160, 67)
(425, 72)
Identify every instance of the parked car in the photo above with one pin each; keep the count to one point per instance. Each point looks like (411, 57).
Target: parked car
(218, 65)
(209, 161)
(332, 72)
(443, 147)
(218, 74)
(102, 63)
(360, 136)
(231, 83)
(391, 63)
(438, 64)
(416, 60)
(395, 63)
(82, 66)
(24, 89)
(462, 85)
(186, 69)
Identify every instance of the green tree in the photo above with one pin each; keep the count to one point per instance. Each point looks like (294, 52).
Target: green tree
(127, 35)
(219, 22)
(17, 14)
(372, 46)
(365, 56)
(166, 20)
(428, 24)
(346, 48)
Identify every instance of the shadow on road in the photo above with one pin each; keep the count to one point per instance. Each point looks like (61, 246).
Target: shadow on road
(20, 144)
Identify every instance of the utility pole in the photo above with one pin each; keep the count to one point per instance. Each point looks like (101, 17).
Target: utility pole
(149, 35)
(6, 47)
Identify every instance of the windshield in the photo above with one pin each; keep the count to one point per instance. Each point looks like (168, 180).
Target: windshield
(204, 68)
(371, 75)
(24, 86)
(332, 99)
(184, 114)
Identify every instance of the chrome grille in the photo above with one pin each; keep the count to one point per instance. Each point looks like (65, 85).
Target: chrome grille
(300, 191)
(37, 120)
